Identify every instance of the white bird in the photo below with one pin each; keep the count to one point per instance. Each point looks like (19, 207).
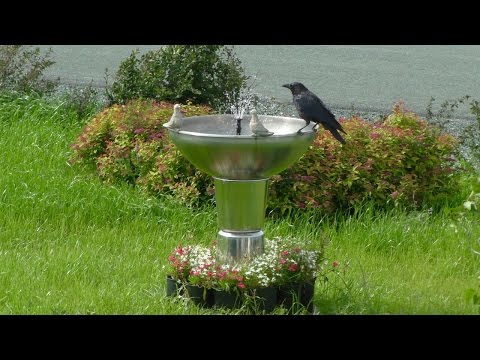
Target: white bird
(256, 126)
(176, 121)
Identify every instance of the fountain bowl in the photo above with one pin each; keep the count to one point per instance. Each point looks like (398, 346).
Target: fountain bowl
(211, 144)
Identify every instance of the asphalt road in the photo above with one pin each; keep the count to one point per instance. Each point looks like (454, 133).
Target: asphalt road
(368, 78)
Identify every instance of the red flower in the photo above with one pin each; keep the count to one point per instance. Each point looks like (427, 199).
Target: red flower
(335, 264)
(293, 267)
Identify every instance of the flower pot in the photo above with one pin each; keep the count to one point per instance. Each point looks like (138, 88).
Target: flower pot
(174, 287)
(306, 298)
(200, 296)
(226, 299)
(265, 298)
(297, 293)
(288, 295)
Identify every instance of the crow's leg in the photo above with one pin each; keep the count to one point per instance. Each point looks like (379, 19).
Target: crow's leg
(300, 131)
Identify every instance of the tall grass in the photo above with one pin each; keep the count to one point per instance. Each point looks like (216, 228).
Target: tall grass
(70, 244)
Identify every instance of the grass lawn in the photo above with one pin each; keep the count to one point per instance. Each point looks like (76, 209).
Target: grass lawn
(70, 244)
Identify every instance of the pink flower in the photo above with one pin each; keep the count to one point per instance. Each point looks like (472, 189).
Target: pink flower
(293, 267)
(139, 131)
(241, 285)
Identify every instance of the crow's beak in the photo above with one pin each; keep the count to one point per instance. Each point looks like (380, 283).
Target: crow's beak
(287, 86)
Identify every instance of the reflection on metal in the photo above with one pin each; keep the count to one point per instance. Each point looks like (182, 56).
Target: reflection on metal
(237, 246)
(211, 144)
(241, 204)
(241, 165)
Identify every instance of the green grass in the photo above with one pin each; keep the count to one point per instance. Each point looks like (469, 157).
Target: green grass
(70, 244)
(403, 264)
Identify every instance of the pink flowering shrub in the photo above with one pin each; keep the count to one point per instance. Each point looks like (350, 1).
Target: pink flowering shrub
(128, 143)
(399, 161)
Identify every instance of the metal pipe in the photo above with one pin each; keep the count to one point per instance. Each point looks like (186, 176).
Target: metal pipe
(241, 208)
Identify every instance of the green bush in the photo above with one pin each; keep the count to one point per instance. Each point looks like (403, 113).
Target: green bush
(401, 161)
(22, 70)
(202, 74)
(471, 136)
(83, 100)
(127, 143)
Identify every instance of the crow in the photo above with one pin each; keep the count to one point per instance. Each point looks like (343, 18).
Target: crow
(311, 108)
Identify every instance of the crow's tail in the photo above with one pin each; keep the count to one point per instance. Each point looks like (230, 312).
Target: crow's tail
(337, 136)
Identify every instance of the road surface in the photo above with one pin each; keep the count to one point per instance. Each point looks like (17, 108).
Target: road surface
(363, 77)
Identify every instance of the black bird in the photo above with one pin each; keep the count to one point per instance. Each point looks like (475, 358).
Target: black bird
(311, 108)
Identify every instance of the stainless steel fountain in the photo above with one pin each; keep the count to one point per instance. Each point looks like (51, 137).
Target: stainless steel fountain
(240, 165)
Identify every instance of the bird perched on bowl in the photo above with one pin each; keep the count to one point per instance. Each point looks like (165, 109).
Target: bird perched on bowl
(176, 121)
(311, 108)
(256, 126)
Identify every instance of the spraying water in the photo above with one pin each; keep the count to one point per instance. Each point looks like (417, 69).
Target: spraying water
(239, 103)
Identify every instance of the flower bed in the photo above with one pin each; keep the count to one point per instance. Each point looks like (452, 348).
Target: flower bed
(283, 275)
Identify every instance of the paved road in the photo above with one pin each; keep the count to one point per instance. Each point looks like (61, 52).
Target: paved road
(365, 77)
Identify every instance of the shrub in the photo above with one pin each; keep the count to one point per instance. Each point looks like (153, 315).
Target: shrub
(471, 136)
(83, 100)
(400, 161)
(202, 74)
(127, 143)
(446, 112)
(22, 69)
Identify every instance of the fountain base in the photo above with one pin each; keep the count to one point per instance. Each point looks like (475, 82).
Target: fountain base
(237, 246)
(241, 213)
